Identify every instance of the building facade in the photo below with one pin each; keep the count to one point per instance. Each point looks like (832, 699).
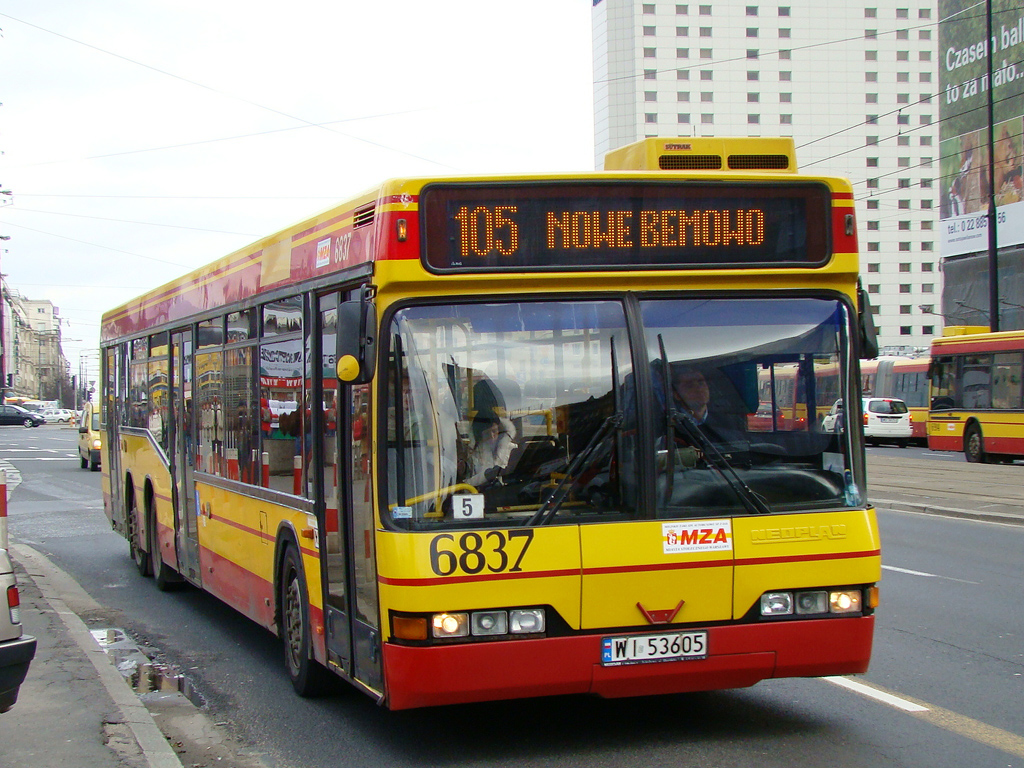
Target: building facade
(854, 82)
(34, 364)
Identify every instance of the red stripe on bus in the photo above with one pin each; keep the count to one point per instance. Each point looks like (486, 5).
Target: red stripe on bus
(175, 290)
(656, 567)
(621, 569)
(958, 347)
(265, 536)
(469, 579)
(808, 558)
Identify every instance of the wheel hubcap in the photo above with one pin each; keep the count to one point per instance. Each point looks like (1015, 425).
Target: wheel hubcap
(293, 624)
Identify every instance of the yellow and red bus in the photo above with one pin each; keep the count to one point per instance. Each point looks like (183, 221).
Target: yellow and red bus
(905, 378)
(432, 437)
(976, 394)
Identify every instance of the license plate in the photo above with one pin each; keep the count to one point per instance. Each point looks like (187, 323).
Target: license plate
(643, 649)
(889, 419)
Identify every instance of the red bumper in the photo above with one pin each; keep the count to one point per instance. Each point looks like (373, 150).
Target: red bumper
(740, 656)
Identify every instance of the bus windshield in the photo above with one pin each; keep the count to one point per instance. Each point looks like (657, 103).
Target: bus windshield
(533, 412)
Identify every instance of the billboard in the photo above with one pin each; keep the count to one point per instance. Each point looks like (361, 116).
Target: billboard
(963, 134)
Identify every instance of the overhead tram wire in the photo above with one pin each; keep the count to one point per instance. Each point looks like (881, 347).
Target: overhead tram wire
(201, 142)
(129, 221)
(225, 94)
(910, 129)
(97, 245)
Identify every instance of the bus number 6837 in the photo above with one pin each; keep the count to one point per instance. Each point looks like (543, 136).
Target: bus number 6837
(493, 551)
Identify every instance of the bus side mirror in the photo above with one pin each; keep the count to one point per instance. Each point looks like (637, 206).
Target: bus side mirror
(357, 340)
(868, 332)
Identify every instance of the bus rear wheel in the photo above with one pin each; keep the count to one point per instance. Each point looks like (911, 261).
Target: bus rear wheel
(307, 676)
(974, 447)
(139, 554)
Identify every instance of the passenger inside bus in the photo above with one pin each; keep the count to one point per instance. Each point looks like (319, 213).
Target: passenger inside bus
(492, 435)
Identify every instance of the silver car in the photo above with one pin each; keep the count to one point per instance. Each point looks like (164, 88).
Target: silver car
(16, 649)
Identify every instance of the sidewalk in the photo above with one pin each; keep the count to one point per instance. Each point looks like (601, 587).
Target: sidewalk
(74, 708)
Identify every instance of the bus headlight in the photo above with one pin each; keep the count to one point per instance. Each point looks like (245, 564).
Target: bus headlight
(450, 624)
(526, 621)
(776, 603)
(811, 602)
(844, 601)
(818, 602)
(488, 623)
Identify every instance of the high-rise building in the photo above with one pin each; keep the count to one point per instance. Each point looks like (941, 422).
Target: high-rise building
(854, 82)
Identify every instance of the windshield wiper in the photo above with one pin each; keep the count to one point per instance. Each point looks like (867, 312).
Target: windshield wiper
(550, 507)
(717, 459)
(686, 423)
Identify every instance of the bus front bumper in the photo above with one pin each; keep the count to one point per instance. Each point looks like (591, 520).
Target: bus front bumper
(740, 656)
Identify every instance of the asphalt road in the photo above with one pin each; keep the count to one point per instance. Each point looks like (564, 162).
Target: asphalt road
(948, 645)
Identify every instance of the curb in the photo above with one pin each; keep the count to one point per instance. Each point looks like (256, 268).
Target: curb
(53, 583)
(1006, 518)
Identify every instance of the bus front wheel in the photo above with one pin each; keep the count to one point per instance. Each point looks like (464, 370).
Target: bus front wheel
(308, 677)
(974, 450)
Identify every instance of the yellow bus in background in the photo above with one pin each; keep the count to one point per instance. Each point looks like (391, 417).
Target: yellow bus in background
(976, 394)
(437, 438)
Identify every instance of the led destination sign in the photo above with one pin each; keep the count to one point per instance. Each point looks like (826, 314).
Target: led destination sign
(560, 226)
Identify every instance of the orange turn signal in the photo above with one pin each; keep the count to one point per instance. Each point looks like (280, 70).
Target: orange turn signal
(409, 628)
(872, 597)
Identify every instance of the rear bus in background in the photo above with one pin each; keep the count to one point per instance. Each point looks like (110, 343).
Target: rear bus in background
(977, 403)
(905, 378)
(434, 437)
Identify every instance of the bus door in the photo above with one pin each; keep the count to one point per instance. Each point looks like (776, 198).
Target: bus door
(116, 392)
(347, 533)
(186, 539)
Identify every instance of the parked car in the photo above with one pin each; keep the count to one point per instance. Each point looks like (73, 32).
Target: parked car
(58, 416)
(15, 414)
(16, 648)
(834, 421)
(89, 442)
(885, 419)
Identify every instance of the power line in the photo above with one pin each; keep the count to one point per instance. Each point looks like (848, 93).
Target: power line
(225, 94)
(129, 221)
(96, 245)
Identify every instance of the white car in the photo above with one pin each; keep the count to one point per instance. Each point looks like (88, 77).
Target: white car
(885, 419)
(58, 416)
(16, 648)
(832, 422)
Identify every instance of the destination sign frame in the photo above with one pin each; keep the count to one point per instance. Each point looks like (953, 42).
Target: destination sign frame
(545, 226)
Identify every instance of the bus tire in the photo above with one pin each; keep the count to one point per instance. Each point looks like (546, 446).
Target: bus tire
(974, 446)
(166, 578)
(307, 676)
(139, 554)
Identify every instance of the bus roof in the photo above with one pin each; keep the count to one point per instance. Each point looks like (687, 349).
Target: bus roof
(343, 240)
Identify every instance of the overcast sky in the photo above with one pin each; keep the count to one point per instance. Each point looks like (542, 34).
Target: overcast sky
(144, 138)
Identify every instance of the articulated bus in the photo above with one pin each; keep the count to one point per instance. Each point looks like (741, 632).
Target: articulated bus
(905, 378)
(976, 403)
(436, 437)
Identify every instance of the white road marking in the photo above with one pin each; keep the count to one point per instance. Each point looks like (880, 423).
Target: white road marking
(968, 727)
(925, 574)
(874, 693)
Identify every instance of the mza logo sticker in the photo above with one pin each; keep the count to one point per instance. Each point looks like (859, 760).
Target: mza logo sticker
(697, 536)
